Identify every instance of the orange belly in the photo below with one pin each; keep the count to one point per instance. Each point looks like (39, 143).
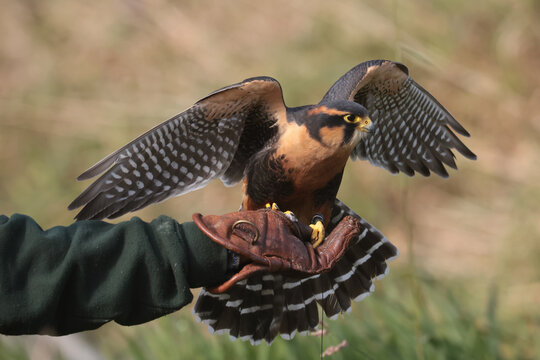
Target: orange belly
(299, 175)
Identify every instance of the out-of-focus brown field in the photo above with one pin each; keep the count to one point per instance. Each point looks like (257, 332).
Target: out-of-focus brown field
(80, 79)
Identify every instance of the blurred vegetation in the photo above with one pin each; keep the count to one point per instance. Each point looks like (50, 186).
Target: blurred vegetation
(80, 79)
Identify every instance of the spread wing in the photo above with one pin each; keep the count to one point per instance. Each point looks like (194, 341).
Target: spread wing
(412, 131)
(214, 138)
(265, 305)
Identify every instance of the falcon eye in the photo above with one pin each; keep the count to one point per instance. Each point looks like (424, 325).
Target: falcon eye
(353, 119)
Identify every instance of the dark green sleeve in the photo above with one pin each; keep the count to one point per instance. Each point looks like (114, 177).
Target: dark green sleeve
(76, 278)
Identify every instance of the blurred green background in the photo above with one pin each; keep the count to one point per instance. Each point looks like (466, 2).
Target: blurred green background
(80, 79)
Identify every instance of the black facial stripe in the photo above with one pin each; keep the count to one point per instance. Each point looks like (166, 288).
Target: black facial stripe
(348, 134)
(321, 121)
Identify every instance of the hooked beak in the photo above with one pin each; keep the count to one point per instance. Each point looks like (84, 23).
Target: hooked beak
(365, 125)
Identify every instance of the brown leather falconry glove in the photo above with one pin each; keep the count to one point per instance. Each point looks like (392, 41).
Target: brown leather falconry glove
(271, 241)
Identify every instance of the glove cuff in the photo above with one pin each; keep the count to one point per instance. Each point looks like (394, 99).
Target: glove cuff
(223, 241)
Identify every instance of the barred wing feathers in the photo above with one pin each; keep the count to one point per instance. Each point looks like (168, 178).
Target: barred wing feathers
(213, 138)
(412, 130)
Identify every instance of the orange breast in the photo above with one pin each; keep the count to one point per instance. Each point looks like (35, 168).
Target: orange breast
(313, 167)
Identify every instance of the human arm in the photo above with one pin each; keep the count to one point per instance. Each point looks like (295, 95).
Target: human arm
(78, 277)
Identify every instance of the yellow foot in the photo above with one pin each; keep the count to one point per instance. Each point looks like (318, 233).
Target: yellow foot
(317, 236)
(273, 206)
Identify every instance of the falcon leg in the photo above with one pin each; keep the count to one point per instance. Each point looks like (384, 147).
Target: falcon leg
(317, 224)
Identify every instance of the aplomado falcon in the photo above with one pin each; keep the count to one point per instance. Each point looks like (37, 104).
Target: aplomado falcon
(293, 157)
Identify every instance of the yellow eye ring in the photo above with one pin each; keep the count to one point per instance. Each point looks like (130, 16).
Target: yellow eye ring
(350, 119)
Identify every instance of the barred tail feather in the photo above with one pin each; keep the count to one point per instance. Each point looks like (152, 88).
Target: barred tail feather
(265, 305)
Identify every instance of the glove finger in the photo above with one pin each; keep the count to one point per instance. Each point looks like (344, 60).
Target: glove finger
(244, 273)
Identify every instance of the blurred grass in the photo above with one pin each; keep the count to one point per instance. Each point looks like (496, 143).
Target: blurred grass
(450, 323)
(78, 80)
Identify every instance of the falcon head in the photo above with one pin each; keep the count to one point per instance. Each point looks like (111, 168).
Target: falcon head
(338, 123)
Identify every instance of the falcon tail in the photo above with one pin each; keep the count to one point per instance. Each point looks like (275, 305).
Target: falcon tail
(265, 305)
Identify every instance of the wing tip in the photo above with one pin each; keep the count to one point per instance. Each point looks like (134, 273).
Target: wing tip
(77, 203)
(95, 209)
(444, 175)
(456, 126)
(462, 131)
(84, 214)
(100, 167)
(85, 176)
(469, 154)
